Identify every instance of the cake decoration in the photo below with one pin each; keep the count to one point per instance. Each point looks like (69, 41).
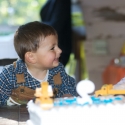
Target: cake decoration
(84, 88)
(43, 95)
(108, 89)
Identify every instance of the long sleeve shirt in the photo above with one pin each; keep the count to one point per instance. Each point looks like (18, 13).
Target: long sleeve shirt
(8, 81)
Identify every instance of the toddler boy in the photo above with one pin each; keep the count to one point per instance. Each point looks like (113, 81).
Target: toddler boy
(37, 47)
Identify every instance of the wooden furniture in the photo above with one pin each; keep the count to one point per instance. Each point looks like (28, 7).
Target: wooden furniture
(13, 115)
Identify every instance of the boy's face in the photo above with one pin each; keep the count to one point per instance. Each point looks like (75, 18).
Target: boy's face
(48, 53)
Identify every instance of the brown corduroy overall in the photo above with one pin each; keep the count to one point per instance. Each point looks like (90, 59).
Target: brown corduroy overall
(23, 94)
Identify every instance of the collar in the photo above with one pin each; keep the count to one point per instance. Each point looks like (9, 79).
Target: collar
(21, 68)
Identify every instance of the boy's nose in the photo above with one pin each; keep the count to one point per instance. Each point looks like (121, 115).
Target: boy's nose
(59, 50)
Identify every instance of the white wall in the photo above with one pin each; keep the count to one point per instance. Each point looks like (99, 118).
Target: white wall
(110, 33)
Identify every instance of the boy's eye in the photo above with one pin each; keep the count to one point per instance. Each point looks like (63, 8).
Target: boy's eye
(52, 48)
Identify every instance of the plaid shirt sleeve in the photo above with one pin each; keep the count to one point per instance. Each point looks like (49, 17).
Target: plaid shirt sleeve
(5, 89)
(68, 84)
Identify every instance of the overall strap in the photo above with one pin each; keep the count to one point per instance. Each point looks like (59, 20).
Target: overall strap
(57, 81)
(20, 77)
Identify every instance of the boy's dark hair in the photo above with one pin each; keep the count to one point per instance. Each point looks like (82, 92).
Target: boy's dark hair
(28, 37)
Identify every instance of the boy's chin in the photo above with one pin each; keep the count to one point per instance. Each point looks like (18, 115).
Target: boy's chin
(55, 64)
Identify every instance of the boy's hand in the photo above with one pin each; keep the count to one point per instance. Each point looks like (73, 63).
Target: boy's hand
(67, 95)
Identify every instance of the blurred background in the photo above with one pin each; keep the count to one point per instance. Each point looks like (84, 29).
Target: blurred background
(14, 13)
(98, 36)
(18, 12)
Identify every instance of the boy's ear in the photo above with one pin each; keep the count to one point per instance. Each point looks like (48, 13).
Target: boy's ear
(29, 56)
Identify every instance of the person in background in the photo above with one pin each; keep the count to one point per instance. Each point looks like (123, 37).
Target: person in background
(57, 13)
(37, 47)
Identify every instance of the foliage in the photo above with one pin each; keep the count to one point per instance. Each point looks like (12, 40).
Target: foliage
(16, 12)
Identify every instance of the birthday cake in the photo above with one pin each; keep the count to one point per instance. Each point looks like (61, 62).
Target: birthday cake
(87, 109)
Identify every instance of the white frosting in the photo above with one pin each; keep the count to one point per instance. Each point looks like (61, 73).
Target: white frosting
(103, 114)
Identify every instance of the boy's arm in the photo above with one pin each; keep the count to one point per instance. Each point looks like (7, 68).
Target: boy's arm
(68, 87)
(5, 89)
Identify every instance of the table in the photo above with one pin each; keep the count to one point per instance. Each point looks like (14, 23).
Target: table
(13, 115)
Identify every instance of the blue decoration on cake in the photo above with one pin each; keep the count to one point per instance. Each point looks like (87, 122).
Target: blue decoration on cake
(95, 100)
